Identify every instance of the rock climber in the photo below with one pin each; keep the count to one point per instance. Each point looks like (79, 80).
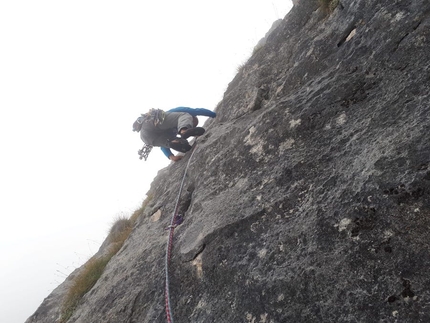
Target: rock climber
(161, 128)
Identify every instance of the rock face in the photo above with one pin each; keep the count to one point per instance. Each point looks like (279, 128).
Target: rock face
(263, 40)
(308, 197)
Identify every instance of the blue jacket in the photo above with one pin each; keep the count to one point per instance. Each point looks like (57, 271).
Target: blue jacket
(194, 112)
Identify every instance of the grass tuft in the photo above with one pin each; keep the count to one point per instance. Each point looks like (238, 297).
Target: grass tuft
(257, 48)
(118, 233)
(82, 283)
(328, 6)
(93, 268)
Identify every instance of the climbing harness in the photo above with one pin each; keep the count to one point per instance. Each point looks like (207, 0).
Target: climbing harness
(176, 220)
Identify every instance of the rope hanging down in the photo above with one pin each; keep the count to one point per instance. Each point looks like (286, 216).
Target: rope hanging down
(170, 242)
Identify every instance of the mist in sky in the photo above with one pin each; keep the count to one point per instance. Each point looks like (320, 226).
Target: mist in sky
(73, 78)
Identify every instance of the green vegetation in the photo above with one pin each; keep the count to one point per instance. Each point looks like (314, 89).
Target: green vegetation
(328, 6)
(82, 283)
(118, 233)
(94, 267)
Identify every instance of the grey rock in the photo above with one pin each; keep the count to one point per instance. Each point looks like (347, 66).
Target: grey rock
(263, 40)
(308, 197)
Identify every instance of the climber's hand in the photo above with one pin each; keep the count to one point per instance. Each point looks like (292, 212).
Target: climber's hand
(175, 158)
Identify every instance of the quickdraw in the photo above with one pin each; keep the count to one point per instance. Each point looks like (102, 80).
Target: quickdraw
(144, 152)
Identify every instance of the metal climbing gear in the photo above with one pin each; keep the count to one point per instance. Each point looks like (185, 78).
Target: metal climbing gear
(154, 116)
(144, 152)
(178, 221)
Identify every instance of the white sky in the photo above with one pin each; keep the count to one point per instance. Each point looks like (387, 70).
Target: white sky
(74, 75)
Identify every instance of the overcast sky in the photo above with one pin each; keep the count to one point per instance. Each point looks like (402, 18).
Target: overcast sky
(74, 75)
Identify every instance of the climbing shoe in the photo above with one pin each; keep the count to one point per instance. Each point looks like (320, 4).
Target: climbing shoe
(193, 132)
(180, 145)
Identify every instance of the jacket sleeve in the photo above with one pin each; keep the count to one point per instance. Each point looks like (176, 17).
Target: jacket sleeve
(195, 111)
(167, 152)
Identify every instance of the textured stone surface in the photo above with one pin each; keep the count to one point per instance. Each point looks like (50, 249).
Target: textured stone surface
(263, 40)
(308, 198)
